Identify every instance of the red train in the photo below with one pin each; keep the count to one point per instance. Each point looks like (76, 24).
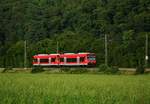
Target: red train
(66, 59)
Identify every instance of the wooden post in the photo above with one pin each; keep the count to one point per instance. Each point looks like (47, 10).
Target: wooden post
(106, 51)
(25, 54)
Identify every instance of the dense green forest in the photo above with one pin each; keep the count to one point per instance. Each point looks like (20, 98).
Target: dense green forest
(78, 26)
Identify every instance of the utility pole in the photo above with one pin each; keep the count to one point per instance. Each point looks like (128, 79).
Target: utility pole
(25, 54)
(106, 51)
(146, 50)
(57, 47)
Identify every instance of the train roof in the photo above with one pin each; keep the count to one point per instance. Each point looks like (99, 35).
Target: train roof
(64, 54)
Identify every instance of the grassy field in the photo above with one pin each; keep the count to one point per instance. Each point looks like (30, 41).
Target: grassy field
(23, 88)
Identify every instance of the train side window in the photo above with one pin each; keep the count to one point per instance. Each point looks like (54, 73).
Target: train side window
(44, 60)
(53, 59)
(81, 59)
(61, 59)
(71, 60)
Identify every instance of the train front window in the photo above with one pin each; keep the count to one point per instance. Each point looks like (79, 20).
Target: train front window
(91, 57)
(35, 60)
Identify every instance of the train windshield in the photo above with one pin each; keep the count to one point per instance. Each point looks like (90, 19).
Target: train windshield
(91, 57)
(35, 60)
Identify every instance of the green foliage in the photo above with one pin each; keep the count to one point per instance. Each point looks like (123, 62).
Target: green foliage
(140, 69)
(37, 69)
(65, 69)
(78, 71)
(7, 69)
(74, 89)
(74, 70)
(106, 69)
(103, 67)
(114, 69)
(15, 54)
(79, 26)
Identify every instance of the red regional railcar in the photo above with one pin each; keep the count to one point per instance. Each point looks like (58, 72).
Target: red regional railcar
(66, 59)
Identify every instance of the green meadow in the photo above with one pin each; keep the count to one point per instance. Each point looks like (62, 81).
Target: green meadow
(25, 88)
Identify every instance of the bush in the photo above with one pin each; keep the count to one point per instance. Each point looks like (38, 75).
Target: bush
(65, 69)
(37, 69)
(106, 69)
(103, 68)
(140, 69)
(7, 69)
(114, 69)
(78, 71)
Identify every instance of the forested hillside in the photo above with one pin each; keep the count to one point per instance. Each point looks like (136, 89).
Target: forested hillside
(78, 26)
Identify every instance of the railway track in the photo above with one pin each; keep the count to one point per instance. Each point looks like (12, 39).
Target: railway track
(88, 68)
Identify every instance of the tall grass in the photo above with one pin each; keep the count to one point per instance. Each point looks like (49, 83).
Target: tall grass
(74, 89)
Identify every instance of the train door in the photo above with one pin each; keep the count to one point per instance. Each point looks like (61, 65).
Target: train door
(57, 60)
